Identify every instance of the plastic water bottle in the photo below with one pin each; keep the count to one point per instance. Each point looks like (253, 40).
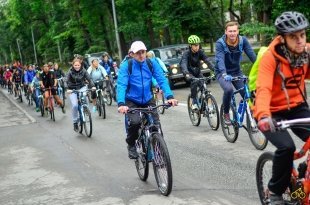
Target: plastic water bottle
(240, 106)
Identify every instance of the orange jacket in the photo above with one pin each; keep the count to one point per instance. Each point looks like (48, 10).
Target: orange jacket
(270, 97)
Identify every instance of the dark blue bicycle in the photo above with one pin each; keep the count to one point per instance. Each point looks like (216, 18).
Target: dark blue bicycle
(231, 131)
(151, 147)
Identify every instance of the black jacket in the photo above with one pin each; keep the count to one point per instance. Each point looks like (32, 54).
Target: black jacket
(77, 79)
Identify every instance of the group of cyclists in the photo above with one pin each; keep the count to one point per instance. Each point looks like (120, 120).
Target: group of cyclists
(280, 90)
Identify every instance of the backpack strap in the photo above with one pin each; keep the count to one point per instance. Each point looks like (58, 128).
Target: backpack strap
(149, 65)
(222, 41)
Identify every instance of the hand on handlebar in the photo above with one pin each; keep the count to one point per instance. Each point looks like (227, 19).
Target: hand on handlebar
(173, 102)
(227, 77)
(188, 76)
(266, 124)
(123, 109)
(69, 91)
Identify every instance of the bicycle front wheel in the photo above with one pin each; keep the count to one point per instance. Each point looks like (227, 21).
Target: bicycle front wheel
(230, 131)
(161, 164)
(194, 115)
(108, 97)
(41, 106)
(263, 175)
(141, 163)
(88, 126)
(102, 105)
(212, 112)
(257, 138)
(160, 99)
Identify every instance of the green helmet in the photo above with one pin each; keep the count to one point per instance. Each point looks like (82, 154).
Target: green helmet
(193, 39)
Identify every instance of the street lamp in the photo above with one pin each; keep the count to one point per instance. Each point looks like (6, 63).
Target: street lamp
(116, 31)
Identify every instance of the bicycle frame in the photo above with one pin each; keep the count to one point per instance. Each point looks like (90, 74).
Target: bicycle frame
(81, 103)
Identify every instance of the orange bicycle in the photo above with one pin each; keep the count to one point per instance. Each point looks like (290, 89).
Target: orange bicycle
(298, 190)
(50, 99)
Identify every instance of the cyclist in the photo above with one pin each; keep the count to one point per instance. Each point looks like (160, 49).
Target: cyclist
(134, 90)
(58, 74)
(7, 77)
(48, 81)
(97, 73)
(190, 64)
(228, 55)
(29, 75)
(35, 88)
(76, 81)
(16, 79)
(287, 56)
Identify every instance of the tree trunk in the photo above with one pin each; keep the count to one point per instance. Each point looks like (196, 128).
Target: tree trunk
(83, 27)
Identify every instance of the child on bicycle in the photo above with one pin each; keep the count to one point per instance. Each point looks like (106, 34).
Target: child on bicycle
(35, 89)
(281, 95)
(76, 81)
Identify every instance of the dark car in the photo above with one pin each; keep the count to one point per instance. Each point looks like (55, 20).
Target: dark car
(171, 55)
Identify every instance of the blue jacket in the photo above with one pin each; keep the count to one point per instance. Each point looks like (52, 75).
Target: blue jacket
(137, 86)
(227, 61)
(29, 76)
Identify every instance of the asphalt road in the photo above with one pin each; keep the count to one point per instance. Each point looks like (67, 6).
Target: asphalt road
(45, 162)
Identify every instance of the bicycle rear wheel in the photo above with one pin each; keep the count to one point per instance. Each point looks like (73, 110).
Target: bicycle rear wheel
(231, 131)
(102, 106)
(161, 164)
(41, 106)
(141, 163)
(108, 97)
(194, 116)
(257, 138)
(51, 108)
(88, 127)
(212, 112)
(263, 175)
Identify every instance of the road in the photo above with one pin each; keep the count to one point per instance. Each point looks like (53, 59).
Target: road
(45, 162)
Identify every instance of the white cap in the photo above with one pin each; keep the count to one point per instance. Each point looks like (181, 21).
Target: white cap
(137, 46)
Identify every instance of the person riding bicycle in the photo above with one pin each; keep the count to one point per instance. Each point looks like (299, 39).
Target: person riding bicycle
(134, 90)
(191, 63)
(59, 73)
(48, 81)
(97, 73)
(35, 88)
(16, 79)
(228, 55)
(29, 75)
(76, 81)
(280, 94)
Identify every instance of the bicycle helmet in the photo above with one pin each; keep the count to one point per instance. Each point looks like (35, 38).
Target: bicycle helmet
(193, 39)
(290, 22)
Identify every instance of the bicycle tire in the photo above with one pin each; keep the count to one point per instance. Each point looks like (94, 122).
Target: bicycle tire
(257, 138)
(51, 108)
(212, 112)
(160, 101)
(142, 165)
(231, 131)
(88, 126)
(194, 116)
(41, 106)
(102, 106)
(161, 161)
(261, 180)
(108, 97)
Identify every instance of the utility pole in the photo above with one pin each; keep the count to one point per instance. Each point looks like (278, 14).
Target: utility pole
(116, 31)
(20, 54)
(34, 47)
(59, 52)
(11, 54)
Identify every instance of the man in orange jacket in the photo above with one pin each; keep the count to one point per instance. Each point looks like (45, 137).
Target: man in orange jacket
(285, 62)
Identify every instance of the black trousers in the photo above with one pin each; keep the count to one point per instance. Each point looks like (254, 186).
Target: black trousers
(283, 158)
(133, 121)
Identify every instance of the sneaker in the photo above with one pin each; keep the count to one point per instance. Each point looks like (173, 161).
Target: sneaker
(276, 199)
(227, 119)
(75, 126)
(63, 110)
(132, 152)
(194, 107)
(37, 109)
(94, 109)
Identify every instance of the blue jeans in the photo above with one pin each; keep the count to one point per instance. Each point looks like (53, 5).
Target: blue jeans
(228, 88)
(36, 96)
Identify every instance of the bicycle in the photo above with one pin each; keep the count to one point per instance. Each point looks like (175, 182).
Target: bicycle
(100, 101)
(298, 191)
(29, 96)
(151, 147)
(231, 131)
(41, 102)
(159, 99)
(51, 108)
(207, 105)
(19, 91)
(85, 120)
(61, 89)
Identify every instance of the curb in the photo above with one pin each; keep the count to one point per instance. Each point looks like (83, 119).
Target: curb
(19, 107)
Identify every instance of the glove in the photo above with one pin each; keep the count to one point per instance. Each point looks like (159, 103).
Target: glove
(228, 77)
(188, 77)
(266, 124)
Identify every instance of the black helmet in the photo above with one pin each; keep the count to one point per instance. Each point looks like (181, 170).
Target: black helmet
(290, 22)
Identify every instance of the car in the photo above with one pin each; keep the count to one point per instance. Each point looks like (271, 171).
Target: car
(171, 55)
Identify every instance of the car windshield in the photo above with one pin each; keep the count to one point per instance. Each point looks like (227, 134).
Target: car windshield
(170, 53)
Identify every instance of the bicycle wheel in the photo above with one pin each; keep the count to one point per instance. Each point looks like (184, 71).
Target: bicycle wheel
(161, 164)
(159, 101)
(88, 129)
(257, 138)
(141, 163)
(41, 106)
(108, 97)
(212, 112)
(194, 116)
(51, 108)
(102, 104)
(231, 131)
(263, 175)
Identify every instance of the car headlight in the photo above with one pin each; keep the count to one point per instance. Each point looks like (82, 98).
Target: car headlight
(174, 70)
(204, 66)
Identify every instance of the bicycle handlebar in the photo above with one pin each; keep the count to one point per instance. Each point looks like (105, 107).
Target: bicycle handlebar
(148, 109)
(284, 124)
(239, 78)
(204, 78)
